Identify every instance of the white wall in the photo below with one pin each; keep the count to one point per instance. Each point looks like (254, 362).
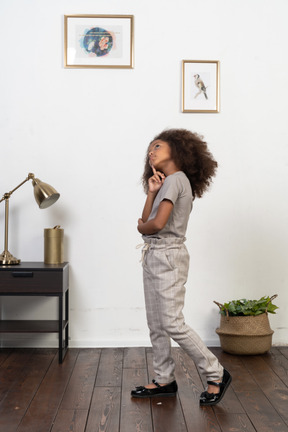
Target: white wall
(85, 131)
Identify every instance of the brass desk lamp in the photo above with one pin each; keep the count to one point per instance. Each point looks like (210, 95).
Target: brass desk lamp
(45, 195)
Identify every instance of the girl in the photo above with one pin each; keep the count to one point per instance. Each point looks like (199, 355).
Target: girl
(178, 168)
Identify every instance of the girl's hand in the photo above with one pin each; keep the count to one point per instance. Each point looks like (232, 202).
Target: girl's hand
(156, 181)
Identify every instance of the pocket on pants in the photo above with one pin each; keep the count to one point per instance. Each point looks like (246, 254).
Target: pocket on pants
(168, 258)
(171, 258)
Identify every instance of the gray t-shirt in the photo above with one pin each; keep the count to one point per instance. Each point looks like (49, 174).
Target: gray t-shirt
(177, 189)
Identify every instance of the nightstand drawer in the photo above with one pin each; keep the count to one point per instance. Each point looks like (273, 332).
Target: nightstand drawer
(31, 281)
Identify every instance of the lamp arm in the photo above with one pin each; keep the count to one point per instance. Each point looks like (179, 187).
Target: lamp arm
(45, 195)
(8, 194)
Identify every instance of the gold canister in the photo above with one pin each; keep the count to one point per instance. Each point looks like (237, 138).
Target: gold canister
(53, 245)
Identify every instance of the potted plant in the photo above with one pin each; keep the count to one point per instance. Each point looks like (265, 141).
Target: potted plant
(244, 326)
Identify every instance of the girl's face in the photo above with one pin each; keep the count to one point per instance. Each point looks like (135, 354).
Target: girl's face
(159, 153)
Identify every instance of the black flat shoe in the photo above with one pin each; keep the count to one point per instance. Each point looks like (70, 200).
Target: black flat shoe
(167, 390)
(211, 398)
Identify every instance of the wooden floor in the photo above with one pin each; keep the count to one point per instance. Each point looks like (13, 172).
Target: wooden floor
(90, 391)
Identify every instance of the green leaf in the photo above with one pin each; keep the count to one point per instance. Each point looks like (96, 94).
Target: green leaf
(248, 307)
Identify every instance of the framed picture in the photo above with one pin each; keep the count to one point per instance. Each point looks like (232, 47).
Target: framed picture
(98, 41)
(200, 86)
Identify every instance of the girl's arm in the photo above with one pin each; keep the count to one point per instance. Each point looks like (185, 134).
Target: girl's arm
(154, 183)
(148, 205)
(158, 223)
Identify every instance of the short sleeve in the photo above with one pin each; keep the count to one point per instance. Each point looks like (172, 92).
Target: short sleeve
(171, 189)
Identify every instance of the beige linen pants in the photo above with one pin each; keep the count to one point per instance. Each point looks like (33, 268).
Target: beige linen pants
(165, 270)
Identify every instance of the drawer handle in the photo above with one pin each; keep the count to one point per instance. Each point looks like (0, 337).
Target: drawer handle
(22, 274)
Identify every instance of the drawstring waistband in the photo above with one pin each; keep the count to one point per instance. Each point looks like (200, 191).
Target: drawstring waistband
(144, 250)
(153, 243)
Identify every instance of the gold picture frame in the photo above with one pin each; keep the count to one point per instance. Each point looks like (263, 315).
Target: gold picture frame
(200, 86)
(98, 41)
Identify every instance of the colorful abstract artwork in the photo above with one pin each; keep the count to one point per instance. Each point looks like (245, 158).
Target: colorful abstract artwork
(97, 41)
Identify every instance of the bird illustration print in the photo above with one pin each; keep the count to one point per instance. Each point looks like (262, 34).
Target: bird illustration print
(200, 85)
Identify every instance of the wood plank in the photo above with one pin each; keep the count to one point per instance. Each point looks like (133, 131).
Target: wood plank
(230, 402)
(251, 375)
(278, 363)
(284, 351)
(261, 413)
(4, 354)
(12, 369)
(70, 420)
(135, 358)
(235, 423)
(135, 413)
(110, 367)
(189, 388)
(271, 385)
(39, 395)
(167, 414)
(241, 378)
(166, 411)
(104, 414)
(18, 398)
(44, 407)
(80, 388)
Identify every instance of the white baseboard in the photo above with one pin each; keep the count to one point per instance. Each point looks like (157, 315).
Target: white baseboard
(51, 341)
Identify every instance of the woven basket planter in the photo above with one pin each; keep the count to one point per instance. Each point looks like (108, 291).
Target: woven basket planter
(245, 335)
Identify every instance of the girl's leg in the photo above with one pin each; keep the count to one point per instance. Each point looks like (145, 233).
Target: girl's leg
(161, 343)
(174, 322)
(168, 270)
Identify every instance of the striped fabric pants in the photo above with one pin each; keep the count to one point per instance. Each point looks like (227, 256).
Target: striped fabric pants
(165, 269)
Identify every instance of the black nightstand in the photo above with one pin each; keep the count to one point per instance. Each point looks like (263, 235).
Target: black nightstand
(38, 279)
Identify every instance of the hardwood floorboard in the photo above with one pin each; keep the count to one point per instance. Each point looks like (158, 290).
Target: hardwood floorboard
(104, 412)
(255, 381)
(261, 412)
(284, 351)
(135, 413)
(278, 363)
(190, 387)
(20, 394)
(235, 423)
(241, 377)
(70, 420)
(166, 411)
(110, 367)
(43, 409)
(4, 354)
(271, 385)
(11, 370)
(135, 358)
(90, 392)
(80, 388)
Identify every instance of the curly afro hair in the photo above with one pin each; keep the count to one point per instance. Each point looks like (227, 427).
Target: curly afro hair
(191, 155)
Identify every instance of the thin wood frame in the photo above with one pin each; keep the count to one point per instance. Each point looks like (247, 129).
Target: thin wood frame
(200, 86)
(98, 41)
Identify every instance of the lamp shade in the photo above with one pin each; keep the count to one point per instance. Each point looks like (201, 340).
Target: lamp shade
(45, 195)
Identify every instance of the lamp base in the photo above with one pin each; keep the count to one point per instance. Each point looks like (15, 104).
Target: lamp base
(6, 258)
